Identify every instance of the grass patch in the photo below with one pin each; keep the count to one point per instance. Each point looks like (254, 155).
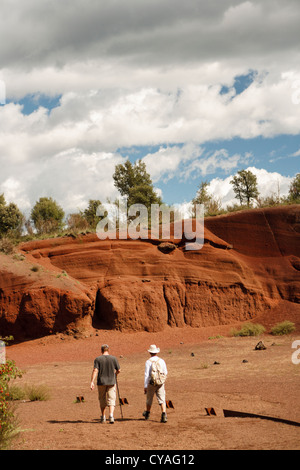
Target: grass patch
(29, 392)
(16, 393)
(250, 329)
(201, 367)
(284, 328)
(37, 392)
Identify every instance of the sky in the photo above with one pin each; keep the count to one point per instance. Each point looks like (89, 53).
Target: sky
(197, 90)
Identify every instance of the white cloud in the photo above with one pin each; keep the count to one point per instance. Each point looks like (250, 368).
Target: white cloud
(169, 161)
(71, 178)
(268, 183)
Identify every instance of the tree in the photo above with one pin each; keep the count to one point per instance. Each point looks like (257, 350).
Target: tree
(135, 184)
(47, 215)
(202, 196)
(212, 206)
(245, 186)
(90, 213)
(11, 219)
(77, 221)
(294, 191)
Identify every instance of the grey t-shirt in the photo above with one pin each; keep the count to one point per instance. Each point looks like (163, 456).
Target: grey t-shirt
(106, 365)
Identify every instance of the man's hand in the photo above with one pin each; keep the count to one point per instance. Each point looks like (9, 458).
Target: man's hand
(93, 378)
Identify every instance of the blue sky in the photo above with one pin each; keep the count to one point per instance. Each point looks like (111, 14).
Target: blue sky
(33, 102)
(275, 154)
(196, 90)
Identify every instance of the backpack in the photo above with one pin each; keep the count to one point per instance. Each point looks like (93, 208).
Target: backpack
(157, 377)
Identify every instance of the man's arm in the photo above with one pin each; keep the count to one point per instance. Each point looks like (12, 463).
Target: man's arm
(117, 367)
(94, 376)
(146, 375)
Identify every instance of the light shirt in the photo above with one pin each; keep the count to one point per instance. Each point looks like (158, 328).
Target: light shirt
(148, 367)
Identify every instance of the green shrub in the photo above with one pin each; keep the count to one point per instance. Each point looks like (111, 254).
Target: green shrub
(250, 329)
(283, 328)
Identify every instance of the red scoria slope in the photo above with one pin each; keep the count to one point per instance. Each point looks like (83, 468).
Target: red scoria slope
(248, 269)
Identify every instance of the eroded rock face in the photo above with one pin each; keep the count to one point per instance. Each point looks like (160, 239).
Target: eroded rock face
(247, 269)
(39, 302)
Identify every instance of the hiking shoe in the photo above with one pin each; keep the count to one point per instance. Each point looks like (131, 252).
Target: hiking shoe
(164, 418)
(111, 420)
(102, 419)
(146, 414)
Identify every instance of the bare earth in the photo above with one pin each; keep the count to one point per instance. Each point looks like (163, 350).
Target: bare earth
(266, 385)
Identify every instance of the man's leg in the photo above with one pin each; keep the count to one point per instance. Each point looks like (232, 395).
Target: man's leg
(102, 401)
(161, 398)
(149, 400)
(111, 401)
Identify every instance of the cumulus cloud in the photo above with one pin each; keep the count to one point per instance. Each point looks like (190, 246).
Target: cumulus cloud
(268, 183)
(138, 73)
(191, 161)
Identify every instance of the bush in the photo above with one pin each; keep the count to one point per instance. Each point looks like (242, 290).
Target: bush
(283, 328)
(37, 392)
(8, 425)
(16, 393)
(250, 329)
(6, 246)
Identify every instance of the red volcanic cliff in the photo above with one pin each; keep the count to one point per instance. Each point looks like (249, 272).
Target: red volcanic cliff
(247, 269)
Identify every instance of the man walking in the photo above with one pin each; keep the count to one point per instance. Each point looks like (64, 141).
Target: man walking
(106, 368)
(155, 376)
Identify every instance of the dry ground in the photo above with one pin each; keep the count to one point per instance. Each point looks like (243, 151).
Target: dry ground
(267, 385)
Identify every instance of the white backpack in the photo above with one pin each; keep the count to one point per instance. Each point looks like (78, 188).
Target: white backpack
(157, 377)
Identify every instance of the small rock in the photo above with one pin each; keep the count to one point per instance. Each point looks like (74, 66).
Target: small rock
(216, 363)
(260, 346)
(244, 361)
(192, 354)
(166, 247)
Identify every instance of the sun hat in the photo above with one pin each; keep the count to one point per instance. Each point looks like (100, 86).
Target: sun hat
(153, 349)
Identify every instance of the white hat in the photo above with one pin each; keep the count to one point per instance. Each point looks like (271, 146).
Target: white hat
(153, 349)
